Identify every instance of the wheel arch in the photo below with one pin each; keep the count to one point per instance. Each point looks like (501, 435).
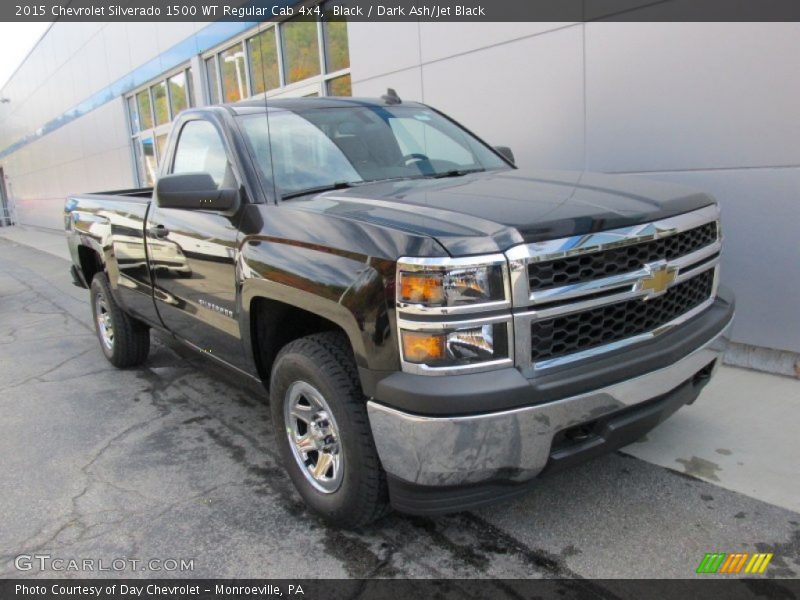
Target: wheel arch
(90, 262)
(274, 315)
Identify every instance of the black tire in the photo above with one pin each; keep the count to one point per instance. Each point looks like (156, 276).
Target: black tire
(325, 361)
(130, 342)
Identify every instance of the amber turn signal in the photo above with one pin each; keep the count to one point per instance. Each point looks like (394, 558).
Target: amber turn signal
(419, 347)
(421, 289)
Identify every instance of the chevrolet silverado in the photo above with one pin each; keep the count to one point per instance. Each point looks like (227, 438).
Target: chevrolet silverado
(436, 328)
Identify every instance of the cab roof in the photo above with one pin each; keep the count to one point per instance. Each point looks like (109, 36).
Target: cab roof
(296, 104)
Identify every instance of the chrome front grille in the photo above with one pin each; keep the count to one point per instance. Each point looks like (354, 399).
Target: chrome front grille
(581, 331)
(605, 263)
(584, 295)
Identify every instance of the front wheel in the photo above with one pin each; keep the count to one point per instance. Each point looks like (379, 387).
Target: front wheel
(323, 433)
(124, 340)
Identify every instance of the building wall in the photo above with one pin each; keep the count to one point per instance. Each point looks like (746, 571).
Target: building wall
(71, 63)
(89, 153)
(712, 105)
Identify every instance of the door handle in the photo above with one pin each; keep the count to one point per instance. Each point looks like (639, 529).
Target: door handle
(158, 231)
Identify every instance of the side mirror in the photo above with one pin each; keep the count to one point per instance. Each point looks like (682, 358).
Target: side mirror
(194, 191)
(506, 153)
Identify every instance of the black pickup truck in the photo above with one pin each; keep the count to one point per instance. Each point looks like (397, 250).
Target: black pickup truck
(436, 327)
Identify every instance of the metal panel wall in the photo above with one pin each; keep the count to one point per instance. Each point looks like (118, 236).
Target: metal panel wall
(712, 105)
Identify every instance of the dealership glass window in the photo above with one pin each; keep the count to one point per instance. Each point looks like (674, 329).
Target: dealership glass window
(178, 93)
(161, 143)
(337, 53)
(133, 114)
(234, 73)
(290, 58)
(300, 50)
(145, 112)
(150, 112)
(148, 163)
(160, 102)
(262, 52)
(212, 75)
(340, 86)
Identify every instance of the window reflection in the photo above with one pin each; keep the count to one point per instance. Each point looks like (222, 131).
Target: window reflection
(189, 88)
(340, 86)
(213, 79)
(160, 103)
(300, 50)
(263, 51)
(234, 80)
(178, 93)
(298, 152)
(145, 115)
(133, 114)
(161, 146)
(200, 150)
(147, 156)
(311, 148)
(337, 53)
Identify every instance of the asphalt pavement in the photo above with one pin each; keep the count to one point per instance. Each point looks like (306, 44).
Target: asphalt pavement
(175, 461)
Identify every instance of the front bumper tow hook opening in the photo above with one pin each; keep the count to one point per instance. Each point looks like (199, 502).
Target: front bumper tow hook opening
(579, 434)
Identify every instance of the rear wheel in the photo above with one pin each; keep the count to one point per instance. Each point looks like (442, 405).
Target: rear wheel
(323, 433)
(124, 340)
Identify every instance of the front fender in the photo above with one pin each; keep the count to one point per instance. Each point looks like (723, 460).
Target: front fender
(345, 288)
(338, 268)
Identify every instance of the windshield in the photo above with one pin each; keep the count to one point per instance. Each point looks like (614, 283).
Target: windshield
(335, 147)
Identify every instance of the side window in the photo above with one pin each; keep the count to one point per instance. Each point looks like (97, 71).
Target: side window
(200, 150)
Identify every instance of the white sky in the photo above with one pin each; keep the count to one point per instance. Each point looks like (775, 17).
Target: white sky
(16, 40)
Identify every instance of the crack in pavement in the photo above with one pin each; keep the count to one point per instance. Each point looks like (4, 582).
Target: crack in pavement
(38, 377)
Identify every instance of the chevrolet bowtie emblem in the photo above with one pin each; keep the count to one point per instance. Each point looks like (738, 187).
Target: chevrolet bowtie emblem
(660, 276)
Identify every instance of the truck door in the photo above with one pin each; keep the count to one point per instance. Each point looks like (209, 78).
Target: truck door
(192, 253)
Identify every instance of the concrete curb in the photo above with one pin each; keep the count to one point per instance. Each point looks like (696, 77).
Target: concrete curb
(768, 360)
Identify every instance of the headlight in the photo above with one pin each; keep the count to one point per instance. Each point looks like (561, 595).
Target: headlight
(452, 283)
(431, 291)
(422, 288)
(459, 347)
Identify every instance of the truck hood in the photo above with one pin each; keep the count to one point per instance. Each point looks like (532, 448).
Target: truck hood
(492, 211)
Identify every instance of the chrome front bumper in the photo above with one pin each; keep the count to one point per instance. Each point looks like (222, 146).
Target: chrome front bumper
(515, 444)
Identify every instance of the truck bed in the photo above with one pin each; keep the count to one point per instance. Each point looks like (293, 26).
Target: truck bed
(111, 224)
(129, 195)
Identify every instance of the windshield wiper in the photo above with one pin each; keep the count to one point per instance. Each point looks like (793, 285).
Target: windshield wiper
(456, 173)
(391, 179)
(338, 185)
